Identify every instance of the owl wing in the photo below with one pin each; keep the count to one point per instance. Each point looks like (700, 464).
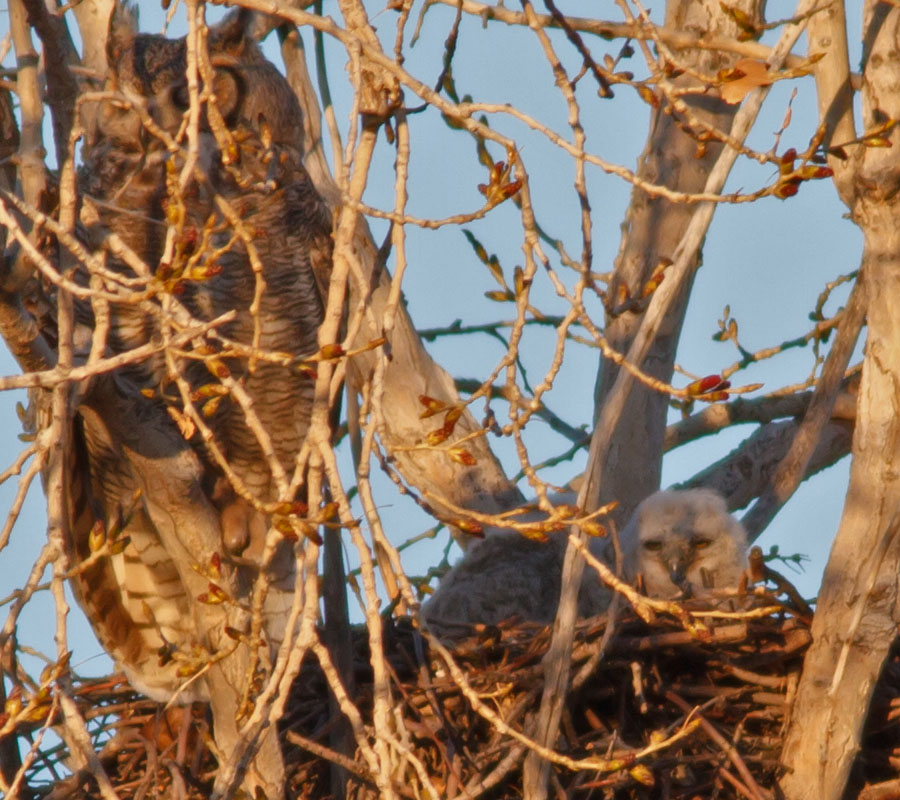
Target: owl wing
(131, 591)
(146, 603)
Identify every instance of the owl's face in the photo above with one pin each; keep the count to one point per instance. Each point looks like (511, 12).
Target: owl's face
(146, 69)
(684, 543)
(149, 71)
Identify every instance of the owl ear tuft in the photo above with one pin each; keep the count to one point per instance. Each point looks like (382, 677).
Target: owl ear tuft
(233, 34)
(123, 27)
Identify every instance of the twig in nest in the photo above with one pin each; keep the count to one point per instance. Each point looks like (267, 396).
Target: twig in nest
(760, 572)
(889, 790)
(757, 793)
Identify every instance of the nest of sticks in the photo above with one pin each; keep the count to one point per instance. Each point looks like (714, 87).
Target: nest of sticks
(656, 711)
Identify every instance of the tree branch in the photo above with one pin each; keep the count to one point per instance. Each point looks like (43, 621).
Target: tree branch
(685, 259)
(792, 469)
(745, 472)
(719, 416)
(32, 172)
(674, 38)
(62, 88)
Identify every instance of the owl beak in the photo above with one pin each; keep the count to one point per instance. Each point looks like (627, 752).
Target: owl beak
(678, 577)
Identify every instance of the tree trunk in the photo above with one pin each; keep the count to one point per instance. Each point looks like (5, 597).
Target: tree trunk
(653, 228)
(626, 448)
(857, 615)
(857, 612)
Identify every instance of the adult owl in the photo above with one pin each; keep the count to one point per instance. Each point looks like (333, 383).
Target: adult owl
(683, 543)
(233, 227)
(680, 543)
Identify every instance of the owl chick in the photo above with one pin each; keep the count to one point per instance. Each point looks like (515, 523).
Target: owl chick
(682, 543)
(508, 575)
(679, 542)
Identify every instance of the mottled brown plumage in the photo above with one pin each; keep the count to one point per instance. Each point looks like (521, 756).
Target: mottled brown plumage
(142, 601)
(508, 576)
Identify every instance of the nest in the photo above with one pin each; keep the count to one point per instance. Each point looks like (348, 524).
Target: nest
(656, 711)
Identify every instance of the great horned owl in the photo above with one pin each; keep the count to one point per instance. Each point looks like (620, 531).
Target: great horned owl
(132, 468)
(679, 542)
(684, 543)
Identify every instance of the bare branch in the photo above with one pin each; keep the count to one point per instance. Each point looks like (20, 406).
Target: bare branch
(749, 469)
(677, 39)
(719, 416)
(62, 88)
(793, 467)
(610, 412)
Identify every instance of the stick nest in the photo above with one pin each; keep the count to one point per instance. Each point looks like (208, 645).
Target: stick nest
(656, 711)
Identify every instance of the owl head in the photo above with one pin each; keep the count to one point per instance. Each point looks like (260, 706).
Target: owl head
(682, 543)
(151, 70)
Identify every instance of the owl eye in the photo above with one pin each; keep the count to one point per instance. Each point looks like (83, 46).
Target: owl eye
(653, 545)
(699, 543)
(180, 97)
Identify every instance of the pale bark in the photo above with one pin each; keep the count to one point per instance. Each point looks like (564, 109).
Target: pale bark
(625, 456)
(61, 89)
(653, 230)
(93, 22)
(742, 474)
(409, 371)
(857, 615)
(92, 19)
(32, 172)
